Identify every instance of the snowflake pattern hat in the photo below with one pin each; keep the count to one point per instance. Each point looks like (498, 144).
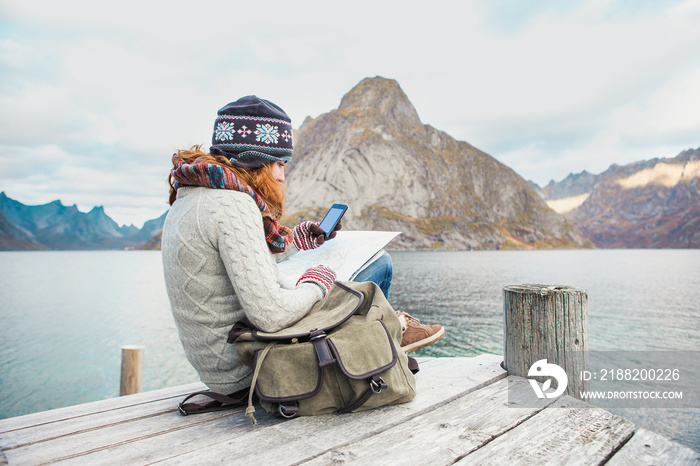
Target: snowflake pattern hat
(252, 132)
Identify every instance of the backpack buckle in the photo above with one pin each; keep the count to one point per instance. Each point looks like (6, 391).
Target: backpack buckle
(288, 412)
(376, 384)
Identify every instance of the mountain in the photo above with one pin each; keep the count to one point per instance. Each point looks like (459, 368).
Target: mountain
(14, 238)
(647, 204)
(151, 228)
(395, 173)
(572, 185)
(55, 226)
(154, 243)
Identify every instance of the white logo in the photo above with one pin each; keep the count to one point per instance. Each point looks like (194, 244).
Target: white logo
(542, 368)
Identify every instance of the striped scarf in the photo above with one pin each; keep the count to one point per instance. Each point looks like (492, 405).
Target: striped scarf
(215, 176)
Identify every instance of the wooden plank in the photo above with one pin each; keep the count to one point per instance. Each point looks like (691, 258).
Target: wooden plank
(144, 433)
(86, 442)
(648, 448)
(568, 432)
(450, 378)
(70, 421)
(305, 437)
(236, 432)
(97, 407)
(61, 414)
(441, 436)
(72, 426)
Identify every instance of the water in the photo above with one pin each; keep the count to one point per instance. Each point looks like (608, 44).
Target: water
(65, 317)
(641, 300)
(66, 314)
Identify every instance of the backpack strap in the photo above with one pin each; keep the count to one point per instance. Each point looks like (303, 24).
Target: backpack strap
(259, 360)
(376, 385)
(220, 402)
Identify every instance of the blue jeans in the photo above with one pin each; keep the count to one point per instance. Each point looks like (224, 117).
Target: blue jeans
(379, 272)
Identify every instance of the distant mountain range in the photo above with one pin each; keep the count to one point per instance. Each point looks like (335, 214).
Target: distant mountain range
(395, 173)
(648, 204)
(55, 226)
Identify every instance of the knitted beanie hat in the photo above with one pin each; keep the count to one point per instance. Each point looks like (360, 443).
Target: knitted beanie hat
(252, 132)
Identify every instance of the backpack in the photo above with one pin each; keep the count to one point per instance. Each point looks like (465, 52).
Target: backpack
(343, 356)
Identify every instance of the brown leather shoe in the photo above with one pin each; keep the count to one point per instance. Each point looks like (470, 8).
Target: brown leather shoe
(417, 335)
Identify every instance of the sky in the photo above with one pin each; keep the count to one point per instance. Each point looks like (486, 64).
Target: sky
(96, 96)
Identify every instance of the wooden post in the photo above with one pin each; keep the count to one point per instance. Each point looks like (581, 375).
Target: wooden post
(546, 322)
(132, 370)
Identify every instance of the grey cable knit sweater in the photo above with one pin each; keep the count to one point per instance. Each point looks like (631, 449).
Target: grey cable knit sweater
(218, 269)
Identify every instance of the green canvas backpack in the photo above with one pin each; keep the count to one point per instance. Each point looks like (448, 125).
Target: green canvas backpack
(343, 356)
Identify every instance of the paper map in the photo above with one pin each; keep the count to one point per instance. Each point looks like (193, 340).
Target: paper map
(345, 254)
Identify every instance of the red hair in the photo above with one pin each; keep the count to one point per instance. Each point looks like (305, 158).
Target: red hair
(260, 179)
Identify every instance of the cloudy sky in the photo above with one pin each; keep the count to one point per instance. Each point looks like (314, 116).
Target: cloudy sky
(96, 96)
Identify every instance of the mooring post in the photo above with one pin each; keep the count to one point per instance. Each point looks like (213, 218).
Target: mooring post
(132, 370)
(546, 322)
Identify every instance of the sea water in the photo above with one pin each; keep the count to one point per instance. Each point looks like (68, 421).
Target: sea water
(66, 314)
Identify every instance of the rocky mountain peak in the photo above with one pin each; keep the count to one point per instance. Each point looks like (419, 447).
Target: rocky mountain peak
(380, 98)
(395, 173)
(97, 211)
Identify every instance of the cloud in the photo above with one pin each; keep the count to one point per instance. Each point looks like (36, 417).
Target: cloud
(669, 114)
(578, 90)
(106, 92)
(134, 198)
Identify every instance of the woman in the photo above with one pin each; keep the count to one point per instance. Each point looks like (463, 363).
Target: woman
(222, 240)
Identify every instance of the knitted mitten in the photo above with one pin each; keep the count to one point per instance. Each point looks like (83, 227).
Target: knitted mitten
(321, 276)
(308, 235)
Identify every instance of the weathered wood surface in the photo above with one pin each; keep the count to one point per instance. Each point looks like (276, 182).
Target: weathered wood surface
(546, 322)
(462, 412)
(567, 432)
(649, 448)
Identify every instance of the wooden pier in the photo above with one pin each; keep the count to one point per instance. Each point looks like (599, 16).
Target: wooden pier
(461, 414)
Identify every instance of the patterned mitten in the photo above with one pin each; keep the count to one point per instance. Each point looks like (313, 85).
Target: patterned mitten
(308, 235)
(321, 276)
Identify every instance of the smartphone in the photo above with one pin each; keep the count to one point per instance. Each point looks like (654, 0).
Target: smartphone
(333, 216)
